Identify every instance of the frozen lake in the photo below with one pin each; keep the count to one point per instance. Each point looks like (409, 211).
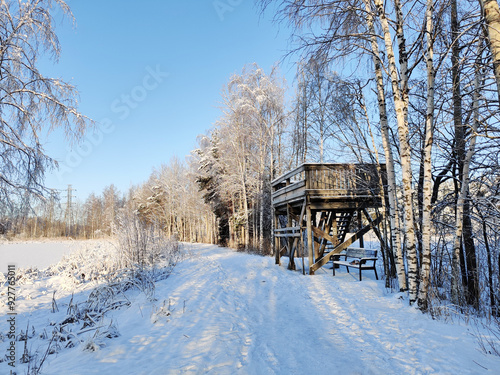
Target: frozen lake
(34, 254)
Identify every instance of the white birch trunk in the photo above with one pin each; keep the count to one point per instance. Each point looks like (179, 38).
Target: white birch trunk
(403, 57)
(427, 187)
(245, 210)
(389, 159)
(405, 155)
(261, 218)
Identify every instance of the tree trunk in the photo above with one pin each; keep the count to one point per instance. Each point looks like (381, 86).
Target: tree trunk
(463, 207)
(245, 210)
(389, 159)
(427, 165)
(403, 57)
(405, 155)
(459, 151)
(470, 257)
(261, 221)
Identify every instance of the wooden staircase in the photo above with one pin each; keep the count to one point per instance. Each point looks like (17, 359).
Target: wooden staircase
(343, 222)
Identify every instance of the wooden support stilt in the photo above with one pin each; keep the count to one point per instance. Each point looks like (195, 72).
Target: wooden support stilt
(335, 229)
(299, 223)
(310, 246)
(317, 224)
(360, 225)
(290, 240)
(277, 241)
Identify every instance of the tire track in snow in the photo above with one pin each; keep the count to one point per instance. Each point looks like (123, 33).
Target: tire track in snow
(226, 335)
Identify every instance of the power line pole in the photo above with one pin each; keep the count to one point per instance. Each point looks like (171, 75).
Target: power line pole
(68, 216)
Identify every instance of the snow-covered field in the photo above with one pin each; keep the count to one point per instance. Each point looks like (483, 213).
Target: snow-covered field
(40, 254)
(224, 312)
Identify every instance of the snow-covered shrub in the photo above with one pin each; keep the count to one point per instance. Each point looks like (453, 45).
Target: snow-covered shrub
(142, 243)
(93, 261)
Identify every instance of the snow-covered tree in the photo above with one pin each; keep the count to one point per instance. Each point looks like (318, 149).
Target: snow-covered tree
(31, 102)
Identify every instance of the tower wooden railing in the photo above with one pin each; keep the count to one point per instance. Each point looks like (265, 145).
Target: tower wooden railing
(328, 181)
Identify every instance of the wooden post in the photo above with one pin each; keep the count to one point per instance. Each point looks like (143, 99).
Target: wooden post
(277, 249)
(300, 223)
(310, 246)
(334, 228)
(360, 225)
(316, 239)
(290, 240)
(303, 250)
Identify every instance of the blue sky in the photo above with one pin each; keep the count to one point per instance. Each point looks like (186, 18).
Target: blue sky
(151, 74)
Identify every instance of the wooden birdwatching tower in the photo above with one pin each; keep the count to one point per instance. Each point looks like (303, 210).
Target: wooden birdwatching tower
(325, 201)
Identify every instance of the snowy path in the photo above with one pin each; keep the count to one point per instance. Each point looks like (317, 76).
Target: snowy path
(233, 313)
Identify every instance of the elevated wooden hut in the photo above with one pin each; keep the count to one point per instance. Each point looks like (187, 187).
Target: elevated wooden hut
(325, 201)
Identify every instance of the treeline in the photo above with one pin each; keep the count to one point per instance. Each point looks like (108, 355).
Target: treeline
(59, 216)
(169, 200)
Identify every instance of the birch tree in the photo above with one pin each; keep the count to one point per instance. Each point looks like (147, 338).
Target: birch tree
(389, 158)
(249, 149)
(400, 104)
(427, 162)
(30, 102)
(463, 195)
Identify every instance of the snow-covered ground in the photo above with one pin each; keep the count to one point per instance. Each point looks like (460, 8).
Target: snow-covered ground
(224, 312)
(40, 254)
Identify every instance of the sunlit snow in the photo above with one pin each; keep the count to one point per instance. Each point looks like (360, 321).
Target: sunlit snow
(225, 312)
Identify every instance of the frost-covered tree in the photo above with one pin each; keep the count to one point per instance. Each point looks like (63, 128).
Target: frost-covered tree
(171, 200)
(209, 173)
(244, 153)
(31, 102)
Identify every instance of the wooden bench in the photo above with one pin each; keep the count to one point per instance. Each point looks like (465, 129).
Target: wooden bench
(362, 259)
